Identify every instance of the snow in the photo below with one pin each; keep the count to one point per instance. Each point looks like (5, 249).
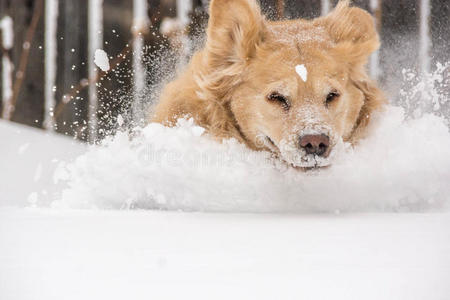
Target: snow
(53, 254)
(302, 72)
(426, 91)
(101, 60)
(170, 26)
(402, 166)
(28, 160)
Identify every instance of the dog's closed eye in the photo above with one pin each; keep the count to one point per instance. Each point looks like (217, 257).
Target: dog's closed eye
(331, 97)
(279, 98)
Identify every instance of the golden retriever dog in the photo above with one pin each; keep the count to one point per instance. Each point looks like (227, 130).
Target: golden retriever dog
(293, 87)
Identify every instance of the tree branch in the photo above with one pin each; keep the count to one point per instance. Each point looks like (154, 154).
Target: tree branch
(21, 73)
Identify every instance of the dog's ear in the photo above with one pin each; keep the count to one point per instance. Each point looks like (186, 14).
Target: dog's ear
(353, 30)
(355, 36)
(235, 29)
(374, 100)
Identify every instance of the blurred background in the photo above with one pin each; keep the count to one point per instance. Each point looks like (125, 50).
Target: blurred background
(49, 79)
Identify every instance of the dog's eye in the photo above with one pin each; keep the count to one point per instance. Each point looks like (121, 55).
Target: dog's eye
(331, 97)
(277, 97)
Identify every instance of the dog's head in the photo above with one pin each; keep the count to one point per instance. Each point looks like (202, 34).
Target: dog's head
(295, 87)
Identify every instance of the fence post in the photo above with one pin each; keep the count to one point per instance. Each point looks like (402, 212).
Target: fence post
(440, 31)
(425, 40)
(399, 37)
(325, 7)
(2, 53)
(6, 66)
(280, 9)
(184, 8)
(95, 37)
(140, 27)
(71, 112)
(375, 7)
(51, 22)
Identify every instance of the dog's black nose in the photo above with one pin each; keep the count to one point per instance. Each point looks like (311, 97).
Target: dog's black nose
(317, 144)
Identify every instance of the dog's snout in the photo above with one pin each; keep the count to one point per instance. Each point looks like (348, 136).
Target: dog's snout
(316, 144)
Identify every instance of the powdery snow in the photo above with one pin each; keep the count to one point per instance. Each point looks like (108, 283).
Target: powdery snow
(302, 72)
(101, 60)
(28, 159)
(403, 166)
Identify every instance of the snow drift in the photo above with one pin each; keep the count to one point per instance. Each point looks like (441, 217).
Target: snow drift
(28, 160)
(403, 166)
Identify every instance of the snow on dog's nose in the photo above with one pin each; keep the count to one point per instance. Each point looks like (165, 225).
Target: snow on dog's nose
(317, 144)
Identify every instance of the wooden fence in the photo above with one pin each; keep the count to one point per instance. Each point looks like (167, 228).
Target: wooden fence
(49, 78)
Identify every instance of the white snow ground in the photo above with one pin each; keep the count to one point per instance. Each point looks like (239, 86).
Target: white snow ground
(134, 254)
(28, 159)
(52, 254)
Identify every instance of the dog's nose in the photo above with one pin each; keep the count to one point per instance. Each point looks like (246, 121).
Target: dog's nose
(317, 144)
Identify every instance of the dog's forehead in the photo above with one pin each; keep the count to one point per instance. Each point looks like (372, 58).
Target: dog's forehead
(288, 61)
(310, 72)
(298, 33)
(301, 48)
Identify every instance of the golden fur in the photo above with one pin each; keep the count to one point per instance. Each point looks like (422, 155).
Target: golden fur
(243, 84)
